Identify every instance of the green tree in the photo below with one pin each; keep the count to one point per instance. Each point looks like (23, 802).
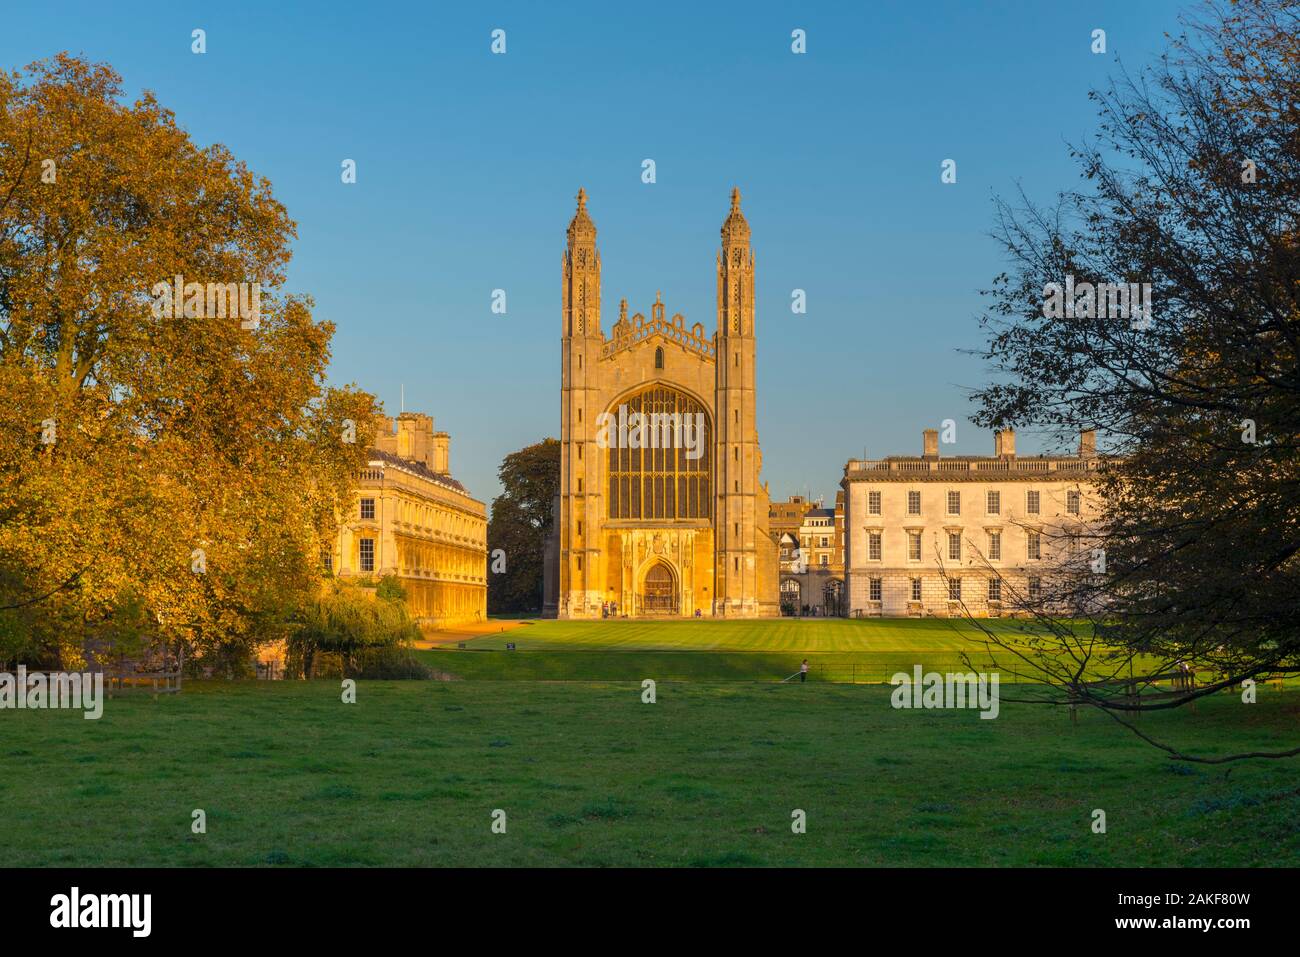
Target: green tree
(390, 588)
(358, 627)
(520, 524)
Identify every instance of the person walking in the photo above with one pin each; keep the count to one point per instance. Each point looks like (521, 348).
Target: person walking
(803, 671)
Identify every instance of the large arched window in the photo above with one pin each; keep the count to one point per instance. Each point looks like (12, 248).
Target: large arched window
(669, 475)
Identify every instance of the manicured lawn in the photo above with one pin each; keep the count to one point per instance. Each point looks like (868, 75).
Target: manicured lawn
(589, 775)
(787, 635)
(842, 650)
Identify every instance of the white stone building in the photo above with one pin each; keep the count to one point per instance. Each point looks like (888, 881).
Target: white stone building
(979, 535)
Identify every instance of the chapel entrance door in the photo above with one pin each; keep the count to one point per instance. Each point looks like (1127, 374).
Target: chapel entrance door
(660, 595)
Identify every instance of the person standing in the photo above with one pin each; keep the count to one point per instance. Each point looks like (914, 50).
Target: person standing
(803, 671)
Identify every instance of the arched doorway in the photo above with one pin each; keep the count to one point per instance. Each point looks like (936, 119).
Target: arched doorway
(659, 593)
(833, 598)
(790, 592)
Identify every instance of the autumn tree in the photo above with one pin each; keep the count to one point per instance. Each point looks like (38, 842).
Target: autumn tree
(167, 458)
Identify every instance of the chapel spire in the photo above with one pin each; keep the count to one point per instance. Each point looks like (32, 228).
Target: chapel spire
(582, 231)
(735, 229)
(581, 274)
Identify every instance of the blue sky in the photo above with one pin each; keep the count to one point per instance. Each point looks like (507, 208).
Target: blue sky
(468, 163)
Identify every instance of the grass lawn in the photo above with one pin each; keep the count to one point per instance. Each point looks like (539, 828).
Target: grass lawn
(589, 775)
(792, 635)
(838, 649)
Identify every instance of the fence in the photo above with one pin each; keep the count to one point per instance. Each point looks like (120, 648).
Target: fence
(723, 666)
(116, 679)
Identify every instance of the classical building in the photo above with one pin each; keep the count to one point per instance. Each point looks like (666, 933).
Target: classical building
(661, 509)
(413, 520)
(967, 534)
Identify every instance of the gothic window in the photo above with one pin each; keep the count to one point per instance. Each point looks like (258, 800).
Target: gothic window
(671, 478)
(659, 357)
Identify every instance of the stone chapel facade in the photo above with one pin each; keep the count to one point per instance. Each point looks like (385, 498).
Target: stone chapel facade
(655, 517)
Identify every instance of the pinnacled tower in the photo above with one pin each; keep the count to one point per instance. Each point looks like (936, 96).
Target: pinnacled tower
(737, 569)
(580, 493)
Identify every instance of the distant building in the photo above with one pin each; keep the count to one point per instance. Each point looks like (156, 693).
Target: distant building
(979, 535)
(811, 555)
(817, 539)
(787, 516)
(413, 520)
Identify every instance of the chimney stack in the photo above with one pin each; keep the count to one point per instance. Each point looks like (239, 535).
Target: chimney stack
(411, 437)
(1004, 443)
(441, 453)
(1088, 444)
(415, 437)
(930, 439)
